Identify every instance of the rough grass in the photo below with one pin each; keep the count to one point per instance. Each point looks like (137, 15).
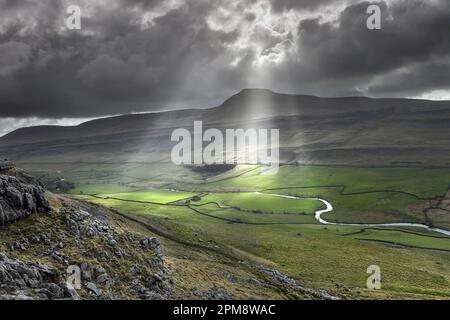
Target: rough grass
(90, 250)
(403, 238)
(156, 196)
(379, 207)
(316, 255)
(284, 231)
(263, 203)
(423, 182)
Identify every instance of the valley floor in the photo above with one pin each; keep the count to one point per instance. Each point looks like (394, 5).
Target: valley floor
(209, 223)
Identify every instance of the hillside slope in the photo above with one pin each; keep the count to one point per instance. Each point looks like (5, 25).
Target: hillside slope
(44, 234)
(118, 256)
(334, 131)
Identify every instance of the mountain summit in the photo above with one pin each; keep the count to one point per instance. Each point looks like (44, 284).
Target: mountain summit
(313, 130)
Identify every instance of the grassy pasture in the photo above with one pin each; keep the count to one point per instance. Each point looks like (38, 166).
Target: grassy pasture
(156, 196)
(379, 207)
(422, 182)
(318, 256)
(415, 263)
(258, 203)
(403, 238)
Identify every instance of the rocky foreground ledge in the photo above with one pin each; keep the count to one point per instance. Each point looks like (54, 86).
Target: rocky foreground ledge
(18, 200)
(48, 244)
(112, 264)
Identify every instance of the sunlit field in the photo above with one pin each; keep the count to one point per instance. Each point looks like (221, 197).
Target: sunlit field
(226, 213)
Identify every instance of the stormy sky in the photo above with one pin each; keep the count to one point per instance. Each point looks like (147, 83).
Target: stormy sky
(151, 55)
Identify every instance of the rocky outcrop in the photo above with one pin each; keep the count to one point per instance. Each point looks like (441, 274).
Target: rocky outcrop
(83, 226)
(40, 258)
(276, 278)
(26, 281)
(6, 165)
(112, 262)
(18, 200)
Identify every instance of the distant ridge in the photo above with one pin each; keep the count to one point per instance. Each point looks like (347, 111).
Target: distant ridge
(314, 130)
(263, 102)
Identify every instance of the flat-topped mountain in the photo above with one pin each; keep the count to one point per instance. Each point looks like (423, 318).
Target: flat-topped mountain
(313, 130)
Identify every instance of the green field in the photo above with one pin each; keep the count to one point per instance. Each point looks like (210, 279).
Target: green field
(264, 204)
(403, 238)
(421, 182)
(155, 196)
(231, 217)
(316, 255)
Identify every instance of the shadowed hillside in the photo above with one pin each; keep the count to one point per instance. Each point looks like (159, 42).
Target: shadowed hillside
(334, 131)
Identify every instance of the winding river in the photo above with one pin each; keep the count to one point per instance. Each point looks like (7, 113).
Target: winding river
(329, 208)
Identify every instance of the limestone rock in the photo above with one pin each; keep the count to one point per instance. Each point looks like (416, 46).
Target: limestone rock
(18, 200)
(23, 281)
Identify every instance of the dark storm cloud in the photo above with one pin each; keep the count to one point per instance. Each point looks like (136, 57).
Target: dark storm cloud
(413, 32)
(421, 78)
(282, 5)
(410, 33)
(137, 55)
(121, 68)
(142, 3)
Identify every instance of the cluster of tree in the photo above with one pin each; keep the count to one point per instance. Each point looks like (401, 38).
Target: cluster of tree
(212, 168)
